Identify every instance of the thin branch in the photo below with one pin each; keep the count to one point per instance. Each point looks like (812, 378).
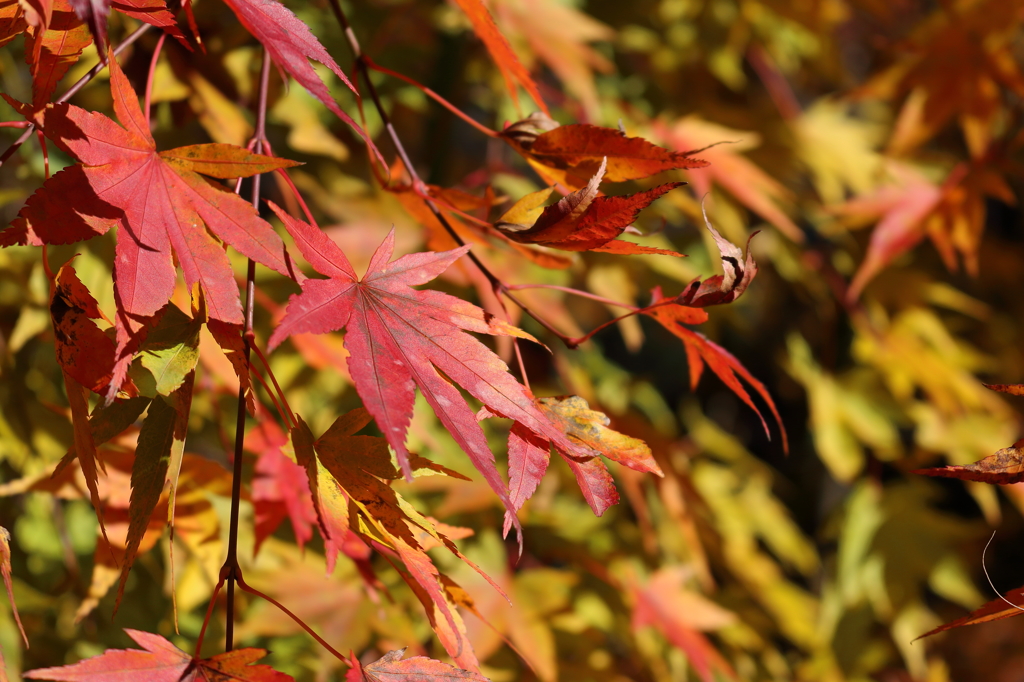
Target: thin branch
(320, 640)
(231, 562)
(575, 292)
(284, 401)
(433, 95)
(135, 35)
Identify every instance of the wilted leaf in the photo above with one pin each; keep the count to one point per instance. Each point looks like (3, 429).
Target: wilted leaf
(738, 271)
(580, 221)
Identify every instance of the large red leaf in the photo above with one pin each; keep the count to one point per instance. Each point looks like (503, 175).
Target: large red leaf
(391, 668)
(163, 662)
(160, 203)
(511, 68)
(398, 338)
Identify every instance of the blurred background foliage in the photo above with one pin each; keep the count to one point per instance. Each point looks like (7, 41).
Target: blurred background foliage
(875, 145)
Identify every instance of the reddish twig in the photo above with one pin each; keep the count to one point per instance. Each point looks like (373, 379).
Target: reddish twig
(233, 573)
(152, 71)
(9, 152)
(433, 95)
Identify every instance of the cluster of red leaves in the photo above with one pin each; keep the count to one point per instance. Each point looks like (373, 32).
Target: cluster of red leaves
(398, 338)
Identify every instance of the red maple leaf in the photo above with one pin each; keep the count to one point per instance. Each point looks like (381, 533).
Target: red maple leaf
(163, 662)
(291, 45)
(580, 221)
(159, 202)
(400, 338)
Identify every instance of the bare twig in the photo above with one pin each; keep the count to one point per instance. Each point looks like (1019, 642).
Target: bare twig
(233, 573)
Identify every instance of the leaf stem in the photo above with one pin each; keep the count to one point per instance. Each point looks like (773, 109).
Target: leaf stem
(149, 76)
(231, 562)
(135, 35)
(320, 640)
(433, 95)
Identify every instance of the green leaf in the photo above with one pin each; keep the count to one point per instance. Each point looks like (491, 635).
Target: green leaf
(161, 445)
(170, 352)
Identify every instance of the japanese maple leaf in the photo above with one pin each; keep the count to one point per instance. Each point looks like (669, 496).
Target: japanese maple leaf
(587, 429)
(400, 338)
(511, 68)
(570, 155)
(391, 668)
(161, 661)
(159, 202)
(291, 45)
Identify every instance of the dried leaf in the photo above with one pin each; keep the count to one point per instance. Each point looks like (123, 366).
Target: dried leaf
(1003, 468)
(738, 271)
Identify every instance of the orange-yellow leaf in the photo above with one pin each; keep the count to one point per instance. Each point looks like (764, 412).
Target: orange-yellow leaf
(501, 52)
(570, 155)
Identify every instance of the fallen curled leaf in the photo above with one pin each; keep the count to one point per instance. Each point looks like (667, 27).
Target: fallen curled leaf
(590, 430)
(1005, 467)
(739, 271)
(391, 668)
(161, 661)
